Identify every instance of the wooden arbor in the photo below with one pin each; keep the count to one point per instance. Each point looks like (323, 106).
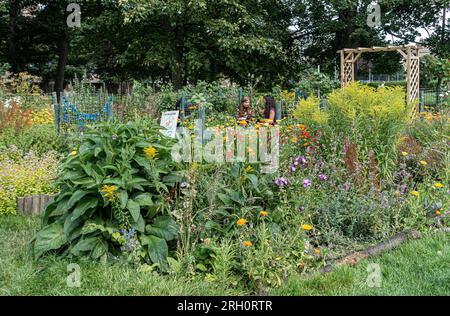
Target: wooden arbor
(410, 53)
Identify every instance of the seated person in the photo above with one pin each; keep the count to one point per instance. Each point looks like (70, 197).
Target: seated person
(269, 111)
(245, 110)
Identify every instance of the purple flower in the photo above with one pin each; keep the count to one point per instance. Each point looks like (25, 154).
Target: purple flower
(323, 177)
(293, 168)
(301, 160)
(306, 183)
(281, 182)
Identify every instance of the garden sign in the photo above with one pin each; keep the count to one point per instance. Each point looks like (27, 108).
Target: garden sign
(169, 121)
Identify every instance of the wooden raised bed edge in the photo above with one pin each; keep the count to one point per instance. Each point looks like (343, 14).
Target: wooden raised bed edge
(33, 205)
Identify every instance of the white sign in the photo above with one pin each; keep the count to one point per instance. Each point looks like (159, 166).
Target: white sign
(169, 122)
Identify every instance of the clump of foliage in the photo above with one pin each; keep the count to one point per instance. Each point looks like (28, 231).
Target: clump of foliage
(24, 175)
(37, 138)
(309, 112)
(114, 196)
(316, 83)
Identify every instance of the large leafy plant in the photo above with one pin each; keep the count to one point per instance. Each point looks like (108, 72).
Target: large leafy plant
(114, 196)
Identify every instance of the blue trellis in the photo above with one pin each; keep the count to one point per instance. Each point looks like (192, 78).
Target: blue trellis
(70, 112)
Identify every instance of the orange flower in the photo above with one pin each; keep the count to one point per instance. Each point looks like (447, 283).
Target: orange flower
(247, 243)
(263, 213)
(241, 222)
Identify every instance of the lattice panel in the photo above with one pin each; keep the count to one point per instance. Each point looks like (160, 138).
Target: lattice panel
(348, 72)
(414, 80)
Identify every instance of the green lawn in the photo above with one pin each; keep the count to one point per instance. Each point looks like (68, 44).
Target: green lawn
(421, 267)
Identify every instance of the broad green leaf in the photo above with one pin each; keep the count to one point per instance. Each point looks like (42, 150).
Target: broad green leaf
(70, 226)
(163, 227)
(87, 244)
(123, 196)
(100, 249)
(82, 206)
(144, 199)
(84, 181)
(139, 225)
(157, 249)
(47, 211)
(78, 195)
(134, 209)
(224, 198)
(142, 161)
(97, 151)
(61, 208)
(51, 237)
(253, 179)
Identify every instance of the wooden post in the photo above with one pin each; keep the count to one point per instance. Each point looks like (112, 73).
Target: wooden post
(27, 205)
(35, 204)
(56, 110)
(408, 75)
(240, 94)
(278, 109)
(20, 205)
(183, 107)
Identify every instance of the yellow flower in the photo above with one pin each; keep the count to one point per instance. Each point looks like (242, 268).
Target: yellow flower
(73, 152)
(249, 169)
(307, 227)
(415, 193)
(247, 243)
(243, 123)
(241, 222)
(423, 162)
(263, 213)
(317, 251)
(404, 153)
(294, 139)
(438, 212)
(150, 152)
(109, 191)
(438, 185)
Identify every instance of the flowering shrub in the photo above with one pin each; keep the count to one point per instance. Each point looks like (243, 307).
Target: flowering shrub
(42, 117)
(23, 176)
(115, 181)
(309, 112)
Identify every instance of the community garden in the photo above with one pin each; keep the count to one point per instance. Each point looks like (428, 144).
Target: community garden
(354, 170)
(224, 147)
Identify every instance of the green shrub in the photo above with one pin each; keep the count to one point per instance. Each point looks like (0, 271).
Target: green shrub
(37, 138)
(24, 175)
(114, 196)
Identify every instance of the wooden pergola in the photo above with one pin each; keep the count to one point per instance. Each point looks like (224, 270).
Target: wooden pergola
(349, 56)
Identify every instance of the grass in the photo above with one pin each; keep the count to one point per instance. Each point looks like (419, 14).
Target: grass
(20, 275)
(421, 267)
